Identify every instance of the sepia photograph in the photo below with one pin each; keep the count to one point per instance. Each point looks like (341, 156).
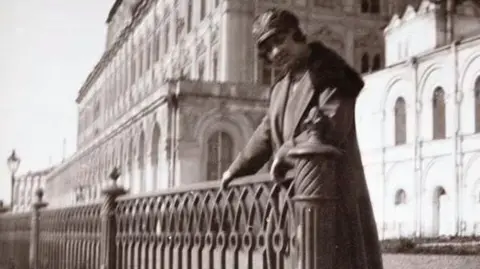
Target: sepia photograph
(242, 134)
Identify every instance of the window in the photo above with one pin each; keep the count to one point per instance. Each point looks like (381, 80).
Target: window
(214, 66)
(189, 15)
(370, 6)
(133, 70)
(400, 122)
(141, 56)
(155, 154)
(203, 9)
(156, 47)
(365, 62)
(377, 62)
(166, 39)
(96, 112)
(438, 113)
(219, 154)
(201, 70)
(148, 55)
(400, 197)
(477, 104)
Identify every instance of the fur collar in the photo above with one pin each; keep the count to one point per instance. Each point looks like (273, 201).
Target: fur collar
(327, 68)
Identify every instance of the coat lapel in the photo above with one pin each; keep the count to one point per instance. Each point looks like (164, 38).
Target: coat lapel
(278, 113)
(303, 95)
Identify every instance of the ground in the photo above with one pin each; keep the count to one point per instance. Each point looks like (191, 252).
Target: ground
(400, 261)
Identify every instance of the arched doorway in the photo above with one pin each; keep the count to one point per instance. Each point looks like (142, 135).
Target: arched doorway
(440, 212)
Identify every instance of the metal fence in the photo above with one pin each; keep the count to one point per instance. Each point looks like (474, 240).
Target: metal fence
(248, 225)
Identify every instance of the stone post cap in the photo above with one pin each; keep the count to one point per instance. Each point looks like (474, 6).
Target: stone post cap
(112, 188)
(39, 203)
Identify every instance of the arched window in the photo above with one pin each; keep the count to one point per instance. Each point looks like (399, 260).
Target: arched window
(219, 154)
(201, 70)
(400, 197)
(476, 90)
(438, 111)
(203, 9)
(155, 155)
(365, 63)
(400, 122)
(189, 15)
(215, 66)
(141, 162)
(377, 62)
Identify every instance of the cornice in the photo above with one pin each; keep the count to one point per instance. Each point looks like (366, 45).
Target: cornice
(137, 16)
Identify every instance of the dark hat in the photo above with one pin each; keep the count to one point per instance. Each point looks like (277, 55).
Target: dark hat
(273, 21)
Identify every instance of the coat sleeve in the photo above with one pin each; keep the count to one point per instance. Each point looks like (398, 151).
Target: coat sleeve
(340, 111)
(256, 153)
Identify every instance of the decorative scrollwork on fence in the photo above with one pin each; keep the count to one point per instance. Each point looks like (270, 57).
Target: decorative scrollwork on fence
(246, 226)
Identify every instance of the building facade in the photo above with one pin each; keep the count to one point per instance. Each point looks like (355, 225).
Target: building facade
(419, 124)
(179, 89)
(24, 188)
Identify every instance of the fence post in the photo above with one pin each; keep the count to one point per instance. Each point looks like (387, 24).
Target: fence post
(108, 254)
(35, 229)
(3, 208)
(315, 198)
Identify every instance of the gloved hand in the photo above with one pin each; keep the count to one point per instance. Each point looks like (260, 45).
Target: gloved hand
(282, 162)
(226, 179)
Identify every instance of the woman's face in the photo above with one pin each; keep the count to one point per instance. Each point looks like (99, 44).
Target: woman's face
(281, 49)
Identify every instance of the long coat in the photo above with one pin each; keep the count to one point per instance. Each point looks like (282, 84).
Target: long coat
(356, 234)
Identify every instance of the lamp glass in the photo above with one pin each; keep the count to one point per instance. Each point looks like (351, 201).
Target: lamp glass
(13, 162)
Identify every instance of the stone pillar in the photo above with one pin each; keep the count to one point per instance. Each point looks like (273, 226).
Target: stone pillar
(35, 230)
(236, 41)
(315, 201)
(109, 226)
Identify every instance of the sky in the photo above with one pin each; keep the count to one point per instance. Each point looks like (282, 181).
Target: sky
(47, 49)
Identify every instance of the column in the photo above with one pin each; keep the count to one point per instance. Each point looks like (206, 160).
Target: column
(236, 42)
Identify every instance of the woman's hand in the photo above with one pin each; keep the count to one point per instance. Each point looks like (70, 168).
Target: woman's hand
(281, 161)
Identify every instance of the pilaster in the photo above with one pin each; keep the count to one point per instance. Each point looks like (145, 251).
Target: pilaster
(236, 41)
(417, 150)
(457, 142)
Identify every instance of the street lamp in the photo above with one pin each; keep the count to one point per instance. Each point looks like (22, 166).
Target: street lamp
(13, 163)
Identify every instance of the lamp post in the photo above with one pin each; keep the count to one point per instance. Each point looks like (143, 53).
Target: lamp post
(13, 163)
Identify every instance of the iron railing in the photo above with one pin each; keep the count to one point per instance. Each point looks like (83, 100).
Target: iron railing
(248, 225)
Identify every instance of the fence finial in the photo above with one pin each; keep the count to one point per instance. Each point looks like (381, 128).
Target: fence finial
(115, 174)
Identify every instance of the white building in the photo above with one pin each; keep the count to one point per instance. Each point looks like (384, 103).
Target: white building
(419, 124)
(163, 133)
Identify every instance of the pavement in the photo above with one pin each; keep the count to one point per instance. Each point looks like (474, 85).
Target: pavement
(406, 261)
